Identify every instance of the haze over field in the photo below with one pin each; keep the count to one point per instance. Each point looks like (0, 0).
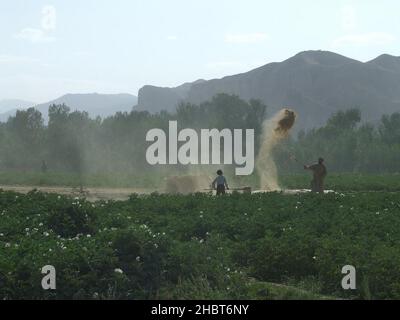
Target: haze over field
(336, 65)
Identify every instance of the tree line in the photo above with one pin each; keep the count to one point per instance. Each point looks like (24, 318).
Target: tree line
(347, 144)
(73, 142)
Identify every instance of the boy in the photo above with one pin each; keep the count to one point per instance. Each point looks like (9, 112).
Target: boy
(220, 182)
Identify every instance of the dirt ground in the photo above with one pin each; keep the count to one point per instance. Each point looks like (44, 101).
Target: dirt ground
(292, 191)
(95, 194)
(92, 194)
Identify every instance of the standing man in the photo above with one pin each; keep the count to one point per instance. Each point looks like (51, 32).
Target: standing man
(319, 174)
(220, 183)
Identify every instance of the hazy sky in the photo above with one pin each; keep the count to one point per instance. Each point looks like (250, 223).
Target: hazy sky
(49, 48)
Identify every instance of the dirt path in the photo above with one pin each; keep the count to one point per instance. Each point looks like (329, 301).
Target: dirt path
(95, 194)
(92, 194)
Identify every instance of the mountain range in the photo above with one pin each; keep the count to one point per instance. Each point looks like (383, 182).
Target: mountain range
(314, 83)
(95, 104)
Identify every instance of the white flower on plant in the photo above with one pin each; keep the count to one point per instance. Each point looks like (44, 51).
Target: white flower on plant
(118, 270)
(7, 245)
(138, 258)
(46, 234)
(88, 236)
(41, 224)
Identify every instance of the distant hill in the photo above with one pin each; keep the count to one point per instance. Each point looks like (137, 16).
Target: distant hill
(387, 62)
(314, 83)
(10, 106)
(95, 104)
(155, 99)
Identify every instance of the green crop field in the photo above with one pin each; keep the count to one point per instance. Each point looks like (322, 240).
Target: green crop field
(260, 246)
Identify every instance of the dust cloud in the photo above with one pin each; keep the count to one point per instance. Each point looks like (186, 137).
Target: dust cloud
(274, 131)
(187, 184)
